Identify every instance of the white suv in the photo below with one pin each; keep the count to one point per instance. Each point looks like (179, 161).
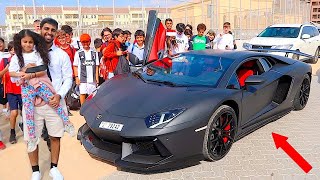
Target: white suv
(301, 37)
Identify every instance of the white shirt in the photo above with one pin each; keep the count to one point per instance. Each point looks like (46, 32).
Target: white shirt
(29, 58)
(60, 70)
(4, 55)
(223, 41)
(90, 70)
(182, 41)
(76, 43)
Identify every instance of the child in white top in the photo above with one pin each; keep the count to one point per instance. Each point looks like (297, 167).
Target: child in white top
(31, 52)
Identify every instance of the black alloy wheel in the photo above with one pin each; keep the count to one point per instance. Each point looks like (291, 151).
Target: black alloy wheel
(303, 93)
(220, 133)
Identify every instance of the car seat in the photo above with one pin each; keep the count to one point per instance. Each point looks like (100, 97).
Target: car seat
(245, 71)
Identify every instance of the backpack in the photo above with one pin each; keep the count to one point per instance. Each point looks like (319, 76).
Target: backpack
(73, 98)
(122, 66)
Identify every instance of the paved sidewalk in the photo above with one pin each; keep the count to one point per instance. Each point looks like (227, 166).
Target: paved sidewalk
(255, 156)
(75, 162)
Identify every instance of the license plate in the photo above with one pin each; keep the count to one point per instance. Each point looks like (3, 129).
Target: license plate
(111, 126)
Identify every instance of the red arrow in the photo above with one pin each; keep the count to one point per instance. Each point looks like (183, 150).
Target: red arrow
(281, 141)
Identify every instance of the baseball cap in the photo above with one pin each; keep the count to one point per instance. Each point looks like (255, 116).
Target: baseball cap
(85, 37)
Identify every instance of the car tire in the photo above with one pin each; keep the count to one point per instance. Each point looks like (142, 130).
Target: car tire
(220, 133)
(302, 95)
(316, 56)
(296, 56)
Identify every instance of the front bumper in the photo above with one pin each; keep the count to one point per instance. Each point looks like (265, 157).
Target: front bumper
(137, 154)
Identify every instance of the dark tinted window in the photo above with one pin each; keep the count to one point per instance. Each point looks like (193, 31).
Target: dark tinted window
(188, 70)
(233, 82)
(265, 64)
(281, 32)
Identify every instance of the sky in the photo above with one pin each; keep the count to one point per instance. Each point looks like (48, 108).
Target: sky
(118, 3)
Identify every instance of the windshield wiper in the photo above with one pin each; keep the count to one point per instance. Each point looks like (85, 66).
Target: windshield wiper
(167, 83)
(137, 74)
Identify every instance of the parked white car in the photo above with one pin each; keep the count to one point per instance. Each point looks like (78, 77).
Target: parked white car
(301, 37)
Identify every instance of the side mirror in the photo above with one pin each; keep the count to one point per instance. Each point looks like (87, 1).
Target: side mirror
(254, 80)
(134, 59)
(306, 36)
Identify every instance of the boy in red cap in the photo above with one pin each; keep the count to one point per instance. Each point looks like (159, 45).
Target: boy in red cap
(86, 63)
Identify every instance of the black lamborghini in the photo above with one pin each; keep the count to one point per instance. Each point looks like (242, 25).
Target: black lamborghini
(195, 104)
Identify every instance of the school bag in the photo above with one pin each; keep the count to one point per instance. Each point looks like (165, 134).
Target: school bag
(122, 66)
(73, 97)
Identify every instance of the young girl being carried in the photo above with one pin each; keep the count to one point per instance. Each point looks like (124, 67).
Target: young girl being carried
(31, 51)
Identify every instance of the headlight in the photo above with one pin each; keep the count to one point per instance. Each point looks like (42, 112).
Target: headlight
(247, 46)
(285, 46)
(159, 120)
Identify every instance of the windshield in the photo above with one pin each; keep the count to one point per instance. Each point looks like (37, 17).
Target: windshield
(187, 70)
(281, 32)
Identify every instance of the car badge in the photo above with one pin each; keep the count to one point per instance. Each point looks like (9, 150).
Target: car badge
(99, 116)
(260, 47)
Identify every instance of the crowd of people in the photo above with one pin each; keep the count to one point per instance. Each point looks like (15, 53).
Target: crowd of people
(39, 67)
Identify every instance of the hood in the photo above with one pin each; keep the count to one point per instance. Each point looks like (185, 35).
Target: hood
(269, 41)
(129, 96)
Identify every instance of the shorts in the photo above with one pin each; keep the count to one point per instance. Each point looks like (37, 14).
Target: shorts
(87, 88)
(53, 121)
(15, 101)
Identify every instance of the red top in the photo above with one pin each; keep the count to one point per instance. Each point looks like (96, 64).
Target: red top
(103, 46)
(110, 55)
(9, 87)
(71, 52)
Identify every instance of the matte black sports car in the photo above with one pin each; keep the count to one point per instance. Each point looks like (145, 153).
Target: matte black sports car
(195, 104)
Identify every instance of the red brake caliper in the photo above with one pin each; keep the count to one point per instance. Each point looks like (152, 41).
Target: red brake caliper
(227, 128)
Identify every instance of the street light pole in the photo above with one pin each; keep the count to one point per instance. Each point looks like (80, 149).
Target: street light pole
(142, 12)
(34, 10)
(202, 10)
(79, 23)
(114, 19)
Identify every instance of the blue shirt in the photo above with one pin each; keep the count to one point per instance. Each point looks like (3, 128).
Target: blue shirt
(136, 50)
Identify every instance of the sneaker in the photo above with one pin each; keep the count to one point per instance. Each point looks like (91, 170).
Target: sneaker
(2, 145)
(69, 128)
(32, 144)
(13, 138)
(55, 174)
(36, 176)
(6, 114)
(20, 124)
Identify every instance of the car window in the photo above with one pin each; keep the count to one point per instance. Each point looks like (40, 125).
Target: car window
(281, 32)
(188, 70)
(315, 31)
(266, 65)
(307, 30)
(233, 82)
